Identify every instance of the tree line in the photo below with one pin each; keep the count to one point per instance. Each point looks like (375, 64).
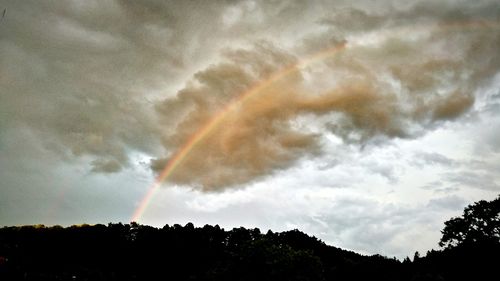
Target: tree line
(470, 251)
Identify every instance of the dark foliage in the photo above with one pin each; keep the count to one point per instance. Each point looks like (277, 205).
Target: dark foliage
(140, 252)
(479, 222)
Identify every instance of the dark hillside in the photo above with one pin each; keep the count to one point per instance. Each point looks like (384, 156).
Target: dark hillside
(140, 252)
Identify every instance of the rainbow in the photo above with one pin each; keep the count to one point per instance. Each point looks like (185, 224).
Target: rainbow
(175, 161)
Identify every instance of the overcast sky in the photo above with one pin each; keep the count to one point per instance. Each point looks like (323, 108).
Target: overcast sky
(365, 123)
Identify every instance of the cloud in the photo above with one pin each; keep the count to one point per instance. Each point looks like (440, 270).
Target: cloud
(259, 136)
(91, 91)
(422, 159)
(81, 76)
(106, 166)
(373, 226)
(474, 179)
(250, 141)
(106, 80)
(398, 87)
(451, 202)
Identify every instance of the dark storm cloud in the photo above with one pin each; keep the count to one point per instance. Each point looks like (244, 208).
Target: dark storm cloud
(104, 79)
(436, 75)
(70, 76)
(80, 74)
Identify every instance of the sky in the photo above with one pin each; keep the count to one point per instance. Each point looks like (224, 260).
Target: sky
(367, 124)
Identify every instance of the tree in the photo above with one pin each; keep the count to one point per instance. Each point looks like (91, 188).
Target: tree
(479, 222)
(416, 256)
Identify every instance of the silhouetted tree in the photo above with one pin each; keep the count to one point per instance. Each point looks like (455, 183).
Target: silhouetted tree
(480, 222)
(140, 252)
(416, 256)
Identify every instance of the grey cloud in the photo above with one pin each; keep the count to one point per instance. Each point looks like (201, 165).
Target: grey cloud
(484, 165)
(451, 202)
(250, 142)
(85, 85)
(473, 179)
(362, 16)
(383, 166)
(433, 184)
(258, 138)
(492, 99)
(447, 190)
(80, 75)
(106, 166)
(488, 138)
(433, 86)
(85, 77)
(439, 187)
(423, 159)
(346, 20)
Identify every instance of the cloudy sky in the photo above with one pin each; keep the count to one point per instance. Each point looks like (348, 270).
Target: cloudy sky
(365, 123)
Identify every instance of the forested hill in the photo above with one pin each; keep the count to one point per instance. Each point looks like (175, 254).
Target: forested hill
(140, 252)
